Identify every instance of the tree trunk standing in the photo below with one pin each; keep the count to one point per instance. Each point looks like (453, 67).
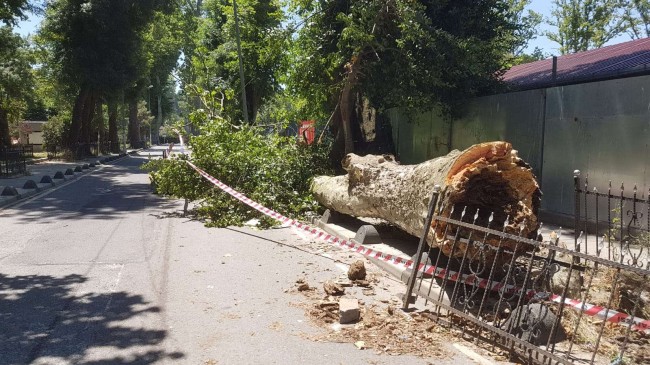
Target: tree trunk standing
(112, 126)
(347, 103)
(485, 178)
(159, 119)
(344, 114)
(98, 126)
(87, 121)
(159, 123)
(134, 125)
(5, 139)
(77, 118)
(254, 102)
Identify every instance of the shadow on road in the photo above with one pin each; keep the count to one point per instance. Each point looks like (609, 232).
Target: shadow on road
(46, 319)
(104, 195)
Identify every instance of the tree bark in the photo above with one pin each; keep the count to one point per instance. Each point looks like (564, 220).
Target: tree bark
(112, 126)
(88, 113)
(5, 139)
(485, 178)
(347, 103)
(159, 115)
(77, 117)
(99, 130)
(134, 125)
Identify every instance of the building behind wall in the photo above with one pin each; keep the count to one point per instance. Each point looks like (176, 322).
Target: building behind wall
(31, 133)
(589, 111)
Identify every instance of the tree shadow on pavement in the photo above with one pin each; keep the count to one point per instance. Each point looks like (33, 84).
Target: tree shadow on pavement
(46, 319)
(104, 195)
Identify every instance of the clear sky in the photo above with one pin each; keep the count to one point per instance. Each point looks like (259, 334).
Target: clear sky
(541, 6)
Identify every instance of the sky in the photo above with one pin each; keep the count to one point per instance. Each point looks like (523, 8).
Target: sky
(541, 6)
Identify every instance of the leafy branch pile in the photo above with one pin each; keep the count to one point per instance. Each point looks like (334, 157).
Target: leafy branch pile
(273, 170)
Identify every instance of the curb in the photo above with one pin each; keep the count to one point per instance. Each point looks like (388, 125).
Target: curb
(8, 201)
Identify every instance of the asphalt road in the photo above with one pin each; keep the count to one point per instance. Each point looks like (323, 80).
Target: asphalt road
(101, 271)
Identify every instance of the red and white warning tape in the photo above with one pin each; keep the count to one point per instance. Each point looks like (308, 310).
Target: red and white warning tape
(639, 324)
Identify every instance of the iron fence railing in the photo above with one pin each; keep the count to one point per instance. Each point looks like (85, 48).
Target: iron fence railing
(613, 222)
(28, 150)
(553, 304)
(12, 161)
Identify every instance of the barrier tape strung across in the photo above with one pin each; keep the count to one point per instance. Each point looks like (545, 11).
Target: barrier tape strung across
(639, 324)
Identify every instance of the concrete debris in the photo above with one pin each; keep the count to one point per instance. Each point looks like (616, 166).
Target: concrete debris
(362, 283)
(349, 310)
(302, 285)
(360, 345)
(331, 288)
(357, 271)
(326, 304)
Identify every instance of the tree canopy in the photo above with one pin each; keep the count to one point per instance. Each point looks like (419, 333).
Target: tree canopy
(582, 25)
(16, 80)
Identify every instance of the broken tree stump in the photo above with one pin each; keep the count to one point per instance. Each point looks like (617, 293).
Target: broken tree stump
(488, 178)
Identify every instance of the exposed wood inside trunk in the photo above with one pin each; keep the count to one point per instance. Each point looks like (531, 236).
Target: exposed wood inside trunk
(488, 178)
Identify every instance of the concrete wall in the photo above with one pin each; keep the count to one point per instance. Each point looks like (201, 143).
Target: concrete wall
(600, 128)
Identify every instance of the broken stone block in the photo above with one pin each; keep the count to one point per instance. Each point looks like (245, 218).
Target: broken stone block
(357, 271)
(331, 288)
(349, 310)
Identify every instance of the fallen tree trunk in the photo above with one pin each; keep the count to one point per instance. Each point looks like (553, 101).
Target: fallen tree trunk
(487, 178)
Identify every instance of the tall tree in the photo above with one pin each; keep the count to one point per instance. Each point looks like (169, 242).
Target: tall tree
(97, 45)
(582, 25)
(398, 53)
(263, 46)
(163, 45)
(527, 22)
(15, 79)
(13, 10)
(636, 18)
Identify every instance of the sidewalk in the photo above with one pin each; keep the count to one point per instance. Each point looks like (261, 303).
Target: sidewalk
(48, 174)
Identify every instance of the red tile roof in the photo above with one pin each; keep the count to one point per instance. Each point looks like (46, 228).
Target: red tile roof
(621, 59)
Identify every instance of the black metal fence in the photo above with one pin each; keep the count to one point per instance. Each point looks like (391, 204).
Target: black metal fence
(557, 302)
(28, 150)
(613, 222)
(12, 161)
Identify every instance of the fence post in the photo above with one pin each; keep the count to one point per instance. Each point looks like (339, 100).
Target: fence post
(576, 223)
(423, 240)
